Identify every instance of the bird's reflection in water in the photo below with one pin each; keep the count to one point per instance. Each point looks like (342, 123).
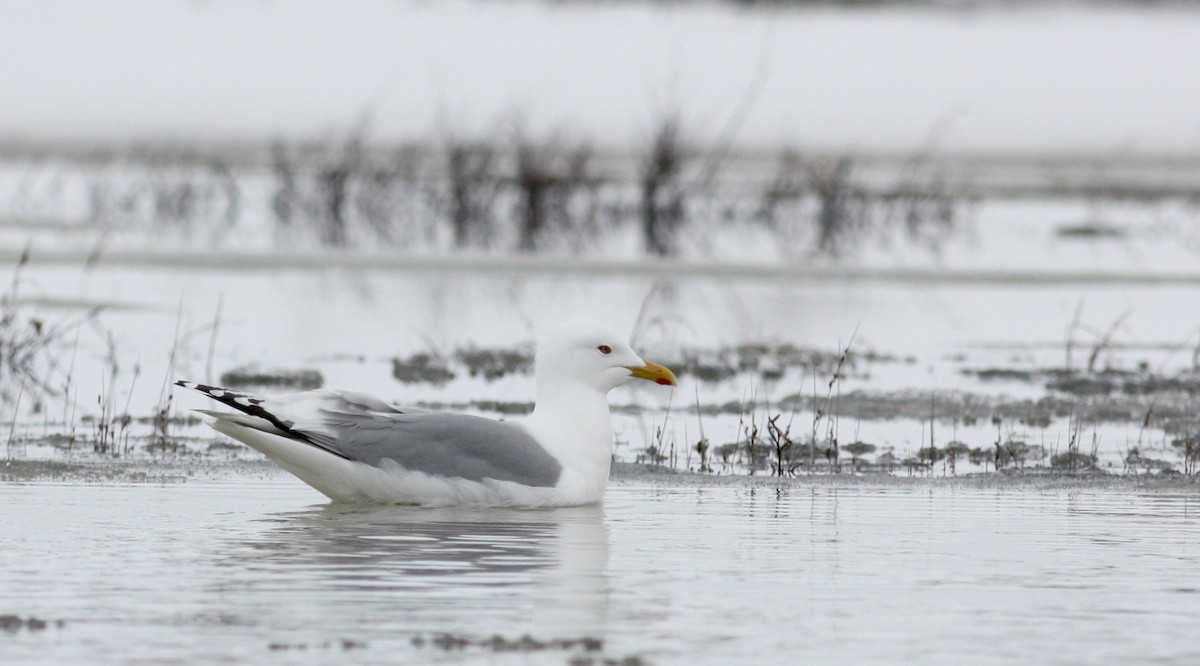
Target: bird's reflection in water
(548, 565)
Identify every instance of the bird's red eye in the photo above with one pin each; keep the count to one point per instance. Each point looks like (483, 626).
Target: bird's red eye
(605, 349)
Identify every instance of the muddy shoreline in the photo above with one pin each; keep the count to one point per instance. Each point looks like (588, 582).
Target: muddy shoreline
(172, 472)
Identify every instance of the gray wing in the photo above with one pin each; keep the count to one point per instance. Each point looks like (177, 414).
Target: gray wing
(366, 429)
(439, 444)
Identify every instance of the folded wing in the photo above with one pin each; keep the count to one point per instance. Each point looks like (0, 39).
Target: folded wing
(365, 429)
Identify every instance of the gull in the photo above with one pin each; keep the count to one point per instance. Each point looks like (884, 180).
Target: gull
(354, 447)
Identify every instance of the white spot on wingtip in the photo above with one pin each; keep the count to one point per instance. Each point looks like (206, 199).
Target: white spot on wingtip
(217, 393)
(243, 400)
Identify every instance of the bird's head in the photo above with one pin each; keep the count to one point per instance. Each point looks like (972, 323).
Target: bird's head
(586, 351)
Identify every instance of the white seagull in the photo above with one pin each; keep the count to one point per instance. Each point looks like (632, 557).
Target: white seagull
(354, 447)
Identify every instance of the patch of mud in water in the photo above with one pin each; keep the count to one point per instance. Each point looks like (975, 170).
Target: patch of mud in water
(486, 364)
(342, 644)
(422, 368)
(972, 408)
(525, 644)
(1098, 383)
(771, 361)
(252, 377)
(125, 471)
(1090, 230)
(637, 474)
(12, 624)
(583, 651)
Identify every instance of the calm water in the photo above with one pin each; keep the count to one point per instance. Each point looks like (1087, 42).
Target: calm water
(224, 570)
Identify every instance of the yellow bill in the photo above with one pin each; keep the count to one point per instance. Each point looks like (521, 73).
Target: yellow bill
(655, 373)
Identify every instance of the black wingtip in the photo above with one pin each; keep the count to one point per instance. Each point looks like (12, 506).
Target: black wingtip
(197, 386)
(252, 405)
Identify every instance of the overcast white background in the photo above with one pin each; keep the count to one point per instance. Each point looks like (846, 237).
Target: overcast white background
(1051, 80)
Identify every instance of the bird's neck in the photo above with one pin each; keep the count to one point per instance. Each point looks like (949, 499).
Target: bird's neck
(573, 421)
